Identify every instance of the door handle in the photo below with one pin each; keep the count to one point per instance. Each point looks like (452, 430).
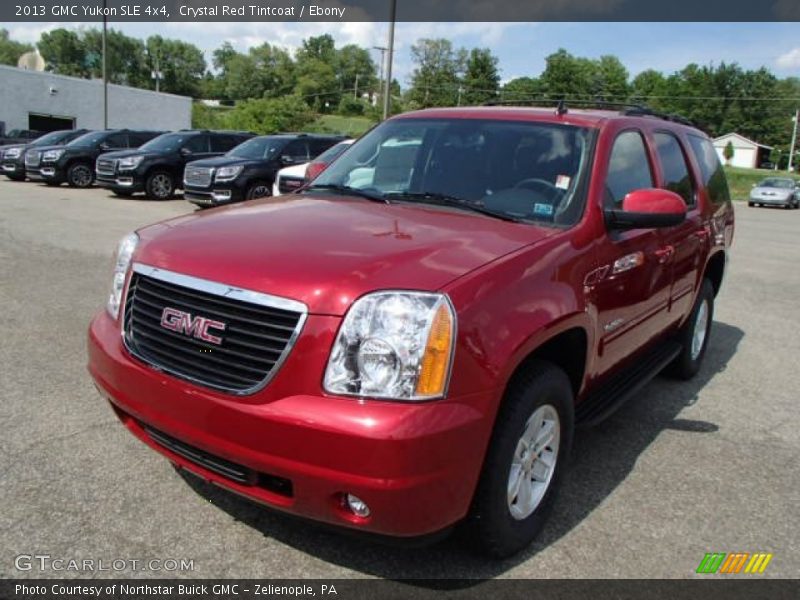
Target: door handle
(664, 254)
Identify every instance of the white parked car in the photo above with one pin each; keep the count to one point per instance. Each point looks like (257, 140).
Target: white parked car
(293, 178)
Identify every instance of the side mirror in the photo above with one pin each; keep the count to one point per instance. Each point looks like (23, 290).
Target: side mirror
(185, 152)
(647, 209)
(287, 160)
(105, 146)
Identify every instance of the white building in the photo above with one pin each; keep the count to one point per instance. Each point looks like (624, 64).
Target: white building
(43, 101)
(746, 152)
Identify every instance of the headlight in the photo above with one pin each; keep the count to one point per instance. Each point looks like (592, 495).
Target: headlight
(12, 153)
(228, 173)
(395, 345)
(52, 155)
(130, 162)
(125, 250)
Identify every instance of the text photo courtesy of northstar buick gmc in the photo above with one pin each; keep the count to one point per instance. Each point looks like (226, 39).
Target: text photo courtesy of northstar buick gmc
(409, 342)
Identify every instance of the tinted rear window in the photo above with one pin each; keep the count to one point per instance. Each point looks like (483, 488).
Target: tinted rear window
(713, 175)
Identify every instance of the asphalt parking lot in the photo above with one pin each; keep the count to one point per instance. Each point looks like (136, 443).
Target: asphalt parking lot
(687, 468)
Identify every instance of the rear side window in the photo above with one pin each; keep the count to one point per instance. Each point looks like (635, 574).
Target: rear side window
(711, 169)
(317, 147)
(117, 140)
(297, 150)
(223, 143)
(198, 144)
(673, 165)
(628, 169)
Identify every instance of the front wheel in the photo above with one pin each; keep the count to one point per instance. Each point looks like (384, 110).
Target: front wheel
(259, 189)
(160, 186)
(525, 461)
(16, 177)
(80, 175)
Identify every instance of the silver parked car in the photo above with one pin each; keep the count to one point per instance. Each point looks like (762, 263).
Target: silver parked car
(776, 191)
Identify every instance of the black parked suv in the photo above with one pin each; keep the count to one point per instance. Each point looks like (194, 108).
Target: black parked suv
(157, 167)
(74, 163)
(248, 171)
(12, 158)
(20, 136)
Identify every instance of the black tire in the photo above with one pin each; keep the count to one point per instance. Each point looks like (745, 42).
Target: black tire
(80, 175)
(688, 363)
(750, 204)
(493, 528)
(122, 193)
(258, 189)
(160, 185)
(52, 183)
(16, 177)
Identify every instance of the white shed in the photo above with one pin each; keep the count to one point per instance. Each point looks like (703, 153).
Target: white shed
(746, 152)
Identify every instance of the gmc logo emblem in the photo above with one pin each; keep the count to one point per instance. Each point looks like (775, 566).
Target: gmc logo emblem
(183, 322)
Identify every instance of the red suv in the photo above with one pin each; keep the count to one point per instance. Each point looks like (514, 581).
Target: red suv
(410, 341)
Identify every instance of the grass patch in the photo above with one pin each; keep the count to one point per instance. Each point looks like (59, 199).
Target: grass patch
(741, 181)
(352, 126)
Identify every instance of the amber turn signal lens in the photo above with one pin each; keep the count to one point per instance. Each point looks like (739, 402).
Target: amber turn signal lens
(436, 360)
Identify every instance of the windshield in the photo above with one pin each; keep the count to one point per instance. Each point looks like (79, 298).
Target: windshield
(14, 133)
(168, 142)
(777, 183)
(521, 170)
(51, 139)
(88, 139)
(259, 148)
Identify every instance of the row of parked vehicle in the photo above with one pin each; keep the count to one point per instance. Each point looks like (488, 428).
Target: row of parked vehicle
(212, 167)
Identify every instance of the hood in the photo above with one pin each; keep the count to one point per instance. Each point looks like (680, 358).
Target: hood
(328, 251)
(227, 161)
(132, 152)
(294, 171)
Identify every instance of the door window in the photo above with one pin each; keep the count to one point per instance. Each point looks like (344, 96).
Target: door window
(297, 151)
(197, 144)
(673, 165)
(628, 170)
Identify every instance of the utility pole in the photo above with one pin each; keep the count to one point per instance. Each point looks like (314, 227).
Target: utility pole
(387, 86)
(794, 139)
(382, 50)
(105, 72)
(355, 91)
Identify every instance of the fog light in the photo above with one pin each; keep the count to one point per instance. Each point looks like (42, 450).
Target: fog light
(357, 506)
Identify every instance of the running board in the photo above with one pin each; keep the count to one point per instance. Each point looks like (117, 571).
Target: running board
(622, 386)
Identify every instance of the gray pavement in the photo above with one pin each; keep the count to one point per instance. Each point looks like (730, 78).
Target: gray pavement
(686, 468)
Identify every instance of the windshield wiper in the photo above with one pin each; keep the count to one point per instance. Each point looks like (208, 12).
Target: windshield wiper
(445, 200)
(350, 191)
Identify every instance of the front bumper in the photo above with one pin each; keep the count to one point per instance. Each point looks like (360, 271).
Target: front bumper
(125, 181)
(212, 197)
(12, 168)
(51, 172)
(773, 200)
(415, 464)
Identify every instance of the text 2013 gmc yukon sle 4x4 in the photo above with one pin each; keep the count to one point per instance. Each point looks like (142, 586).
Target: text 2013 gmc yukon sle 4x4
(409, 342)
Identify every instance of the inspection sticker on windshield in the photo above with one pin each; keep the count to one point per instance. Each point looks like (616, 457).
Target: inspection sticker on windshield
(562, 182)
(543, 209)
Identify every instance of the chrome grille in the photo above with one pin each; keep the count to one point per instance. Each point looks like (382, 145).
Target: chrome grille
(259, 330)
(198, 176)
(106, 166)
(33, 158)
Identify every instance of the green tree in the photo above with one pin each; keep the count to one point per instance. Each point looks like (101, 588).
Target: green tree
(436, 78)
(649, 87)
(728, 152)
(610, 80)
(126, 59)
(64, 52)
(270, 115)
(181, 64)
(521, 89)
(10, 51)
(355, 64)
(566, 76)
(482, 79)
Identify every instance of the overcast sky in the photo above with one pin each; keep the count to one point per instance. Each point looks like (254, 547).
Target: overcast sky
(521, 47)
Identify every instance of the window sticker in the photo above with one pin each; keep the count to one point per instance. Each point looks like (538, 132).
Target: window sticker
(543, 209)
(562, 182)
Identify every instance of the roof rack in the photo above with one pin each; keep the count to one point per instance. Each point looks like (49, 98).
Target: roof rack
(630, 109)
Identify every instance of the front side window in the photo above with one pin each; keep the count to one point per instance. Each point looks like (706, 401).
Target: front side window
(259, 148)
(628, 169)
(673, 165)
(524, 171)
(88, 140)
